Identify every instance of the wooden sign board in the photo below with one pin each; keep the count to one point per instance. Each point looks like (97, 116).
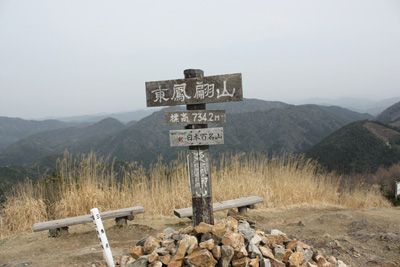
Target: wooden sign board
(199, 173)
(209, 89)
(197, 137)
(196, 117)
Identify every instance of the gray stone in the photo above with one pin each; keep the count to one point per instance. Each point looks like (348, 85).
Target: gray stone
(227, 253)
(254, 250)
(168, 231)
(279, 252)
(265, 263)
(162, 251)
(277, 232)
(256, 239)
(307, 254)
(176, 236)
(245, 229)
(140, 262)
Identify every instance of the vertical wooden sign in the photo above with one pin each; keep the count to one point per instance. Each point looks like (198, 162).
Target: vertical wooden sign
(199, 173)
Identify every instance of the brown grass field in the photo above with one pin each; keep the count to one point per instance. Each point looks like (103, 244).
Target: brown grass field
(80, 185)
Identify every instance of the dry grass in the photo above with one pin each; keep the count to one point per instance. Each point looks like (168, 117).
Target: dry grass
(89, 182)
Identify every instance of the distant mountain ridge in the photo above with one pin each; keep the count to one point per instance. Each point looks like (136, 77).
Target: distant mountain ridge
(287, 128)
(252, 125)
(362, 105)
(54, 142)
(359, 147)
(391, 115)
(14, 129)
(124, 117)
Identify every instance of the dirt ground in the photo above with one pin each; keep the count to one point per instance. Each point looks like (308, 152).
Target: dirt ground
(369, 237)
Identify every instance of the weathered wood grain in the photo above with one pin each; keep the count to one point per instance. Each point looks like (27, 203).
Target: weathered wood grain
(199, 172)
(228, 204)
(194, 90)
(126, 212)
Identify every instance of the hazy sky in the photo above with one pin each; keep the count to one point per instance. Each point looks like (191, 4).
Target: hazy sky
(71, 57)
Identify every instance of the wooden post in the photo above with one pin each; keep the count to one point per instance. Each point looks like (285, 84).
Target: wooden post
(121, 221)
(56, 232)
(201, 202)
(242, 210)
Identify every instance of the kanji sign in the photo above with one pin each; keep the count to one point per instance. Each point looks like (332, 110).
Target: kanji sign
(209, 89)
(197, 137)
(199, 173)
(196, 116)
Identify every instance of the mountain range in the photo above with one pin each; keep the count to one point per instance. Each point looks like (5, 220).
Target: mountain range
(391, 115)
(76, 139)
(341, 140)
(362, 147)
(252, 125)
(124, 117)
(14, 129)
(362, 105)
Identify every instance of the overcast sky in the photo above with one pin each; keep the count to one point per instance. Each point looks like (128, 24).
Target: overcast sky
(61, 58)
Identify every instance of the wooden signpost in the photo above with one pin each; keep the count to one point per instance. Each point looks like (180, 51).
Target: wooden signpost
(195, 91)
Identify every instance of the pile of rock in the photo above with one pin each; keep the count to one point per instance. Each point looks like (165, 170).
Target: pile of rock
(227, 243)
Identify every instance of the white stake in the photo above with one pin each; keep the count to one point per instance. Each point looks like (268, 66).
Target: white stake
(101, 234)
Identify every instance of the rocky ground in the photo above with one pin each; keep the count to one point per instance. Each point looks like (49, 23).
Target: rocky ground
(368, 237)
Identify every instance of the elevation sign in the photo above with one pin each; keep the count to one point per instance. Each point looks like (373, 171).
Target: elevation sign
(196, 116)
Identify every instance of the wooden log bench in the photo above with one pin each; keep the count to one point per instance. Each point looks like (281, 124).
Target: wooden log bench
(59, 227)
(242, 204)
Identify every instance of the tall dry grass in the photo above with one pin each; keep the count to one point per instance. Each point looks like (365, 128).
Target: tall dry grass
(80, 185)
